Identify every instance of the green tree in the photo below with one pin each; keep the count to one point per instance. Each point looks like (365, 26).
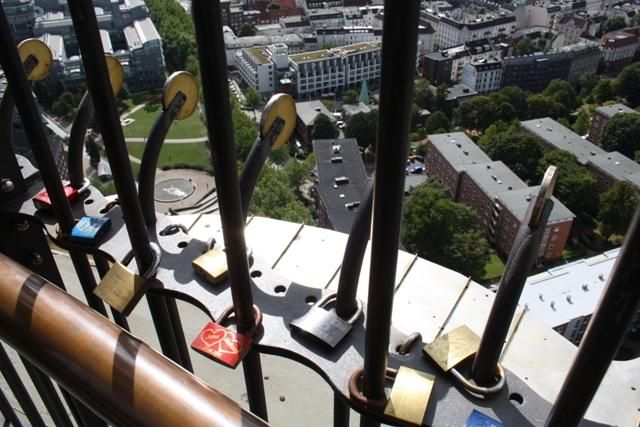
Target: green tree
(514, 96)
(622, 133)
(563, 93)
(246, 30)
(423, 95)
(603, 92)
(628, 84)
(575, 187)
(440, 100)
(176, 29)
(583, 122)
(524, 47)
(506, 112)
(275, 198)
(442, 231)
(350, 97)
(244, 130)
(520, 152)
(476, 113)
(92, 150)
(323, 128)
(543, 106)
(252, 98)
(64, 106)
(436, 123)
(613, 24)
(617, 206)
(272, 6)
(363, 127)
(586, 83)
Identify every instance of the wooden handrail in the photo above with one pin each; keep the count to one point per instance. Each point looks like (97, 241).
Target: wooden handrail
(120, 377)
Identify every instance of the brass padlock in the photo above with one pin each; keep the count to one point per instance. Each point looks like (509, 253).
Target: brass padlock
(325, 325)
(212, 266)
(410, 395)
(121, 288)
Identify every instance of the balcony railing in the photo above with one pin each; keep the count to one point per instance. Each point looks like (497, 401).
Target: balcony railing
(108, 376)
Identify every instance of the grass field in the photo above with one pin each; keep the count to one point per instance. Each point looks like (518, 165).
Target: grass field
(195, 155)
(145, 117)
(494, 268)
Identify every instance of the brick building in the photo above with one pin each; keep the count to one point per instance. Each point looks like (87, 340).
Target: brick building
(499, 198)
(601, 118)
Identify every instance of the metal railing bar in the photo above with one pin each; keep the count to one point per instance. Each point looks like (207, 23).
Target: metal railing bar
(604, 335)
(99, 85)
(76, 140)
(399, 48)
(18, 389)
(48, 394)
(7, 411)
(116, 374)
(341, 412)
(211, 51)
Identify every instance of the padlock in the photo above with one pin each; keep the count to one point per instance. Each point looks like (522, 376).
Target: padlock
(325, 325)
(42, 200)
(121, 288)
(478, 419)
(89, 230)
(224, 345)
(410, 395)
(212, 266)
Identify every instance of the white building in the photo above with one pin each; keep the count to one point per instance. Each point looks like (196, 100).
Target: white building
(234, 45)
(332, 70)
(483, 75)
(258, 66)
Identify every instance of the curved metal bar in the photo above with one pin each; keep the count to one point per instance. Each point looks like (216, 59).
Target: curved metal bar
(396, 90)
(254, 163)
(77, 138)
(117, 375)
(19, 391)
(346, 300)
(10, 168)
(149, 163)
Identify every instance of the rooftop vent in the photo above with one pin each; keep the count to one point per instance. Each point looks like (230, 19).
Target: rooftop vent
(593, 153)
(585, 287)
(336, 148)
(465, 152)
(553, 305)
(569, 299)
(336, 159)
(342, 196)
(352, 205)
(341, 180)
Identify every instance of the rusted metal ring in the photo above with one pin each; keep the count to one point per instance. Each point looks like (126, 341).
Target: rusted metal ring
(404, 348)
(476, 389)
(256, 323)
(356, 395)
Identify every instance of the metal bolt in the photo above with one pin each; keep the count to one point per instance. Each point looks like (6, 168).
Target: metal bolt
(35, 258)
(22, 225)
(7, 186)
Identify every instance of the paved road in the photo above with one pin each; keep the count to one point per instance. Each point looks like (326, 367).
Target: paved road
(171, 141)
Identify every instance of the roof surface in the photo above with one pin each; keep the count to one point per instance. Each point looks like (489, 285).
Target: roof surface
(309, 110)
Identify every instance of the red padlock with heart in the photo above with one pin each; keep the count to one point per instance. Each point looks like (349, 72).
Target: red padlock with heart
(222, 344)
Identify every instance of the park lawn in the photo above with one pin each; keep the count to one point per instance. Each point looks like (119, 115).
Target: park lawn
(194, 154)
(146, 117)
(494, 268)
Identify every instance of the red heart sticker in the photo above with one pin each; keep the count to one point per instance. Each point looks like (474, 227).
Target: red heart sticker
(221, 344)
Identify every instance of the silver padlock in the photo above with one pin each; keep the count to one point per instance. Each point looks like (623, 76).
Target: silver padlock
(325, 325)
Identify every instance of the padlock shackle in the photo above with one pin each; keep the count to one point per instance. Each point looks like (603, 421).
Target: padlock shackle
(355, 315)
(77, 137)
(227, 312)
(156, 252)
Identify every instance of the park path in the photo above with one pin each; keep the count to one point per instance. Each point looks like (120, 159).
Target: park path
(172, 141)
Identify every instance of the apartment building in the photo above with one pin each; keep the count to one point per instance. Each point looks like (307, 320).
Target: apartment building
(499, 198)
(335, 70)
(234, 44)
(256, 69)
(20, 14)
(601, 117)
(483, 75)
(618, 50)
(607, 168)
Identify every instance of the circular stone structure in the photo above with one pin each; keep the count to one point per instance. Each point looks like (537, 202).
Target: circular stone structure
(173, 190)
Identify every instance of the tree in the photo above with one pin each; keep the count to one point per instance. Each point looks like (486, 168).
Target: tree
(476, 113)
(437, 122)
(542, 106)
(252, 98)
(563, 93)
(363, 127)
(272, 6)
(603, 92)
(622, 133)
(274, 198)
(176, 29)
(440, 100)
(583, 122)
(524, 47)
(244, 130)
(506, 112)
(246, 30)
(423, 95)
(92, 150)
(64, 106)
(575, 187)
(617, 206)
(586, 83)
(442, 231)
(520, 152)
(628, 84)
(514, 96)
(613, 24)
(350, 97)
(323, 128)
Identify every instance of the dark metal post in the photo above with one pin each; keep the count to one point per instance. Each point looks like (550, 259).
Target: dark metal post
(19, 391)
(604, 335)
(7, 411)
(76, 140)
(8, 163)
(98, 82)
(399, 47)
(346, 303)
(211, 50)
(47, 392)
(341, 412)
(523, 254)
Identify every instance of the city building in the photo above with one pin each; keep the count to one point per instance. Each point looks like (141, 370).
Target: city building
(126, 30)
(334, 70)
(456, 94)
(20, 14)
(499, 198)
(483, 75)
(307, 113)
(234, 44)
(566, 296)
(618, 50)
(607, 168)
(256, 69)
(601, 118)
(571, 28)
(341, 184)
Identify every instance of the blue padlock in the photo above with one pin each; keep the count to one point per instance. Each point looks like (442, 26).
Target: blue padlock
(89, 230)
(478, 419)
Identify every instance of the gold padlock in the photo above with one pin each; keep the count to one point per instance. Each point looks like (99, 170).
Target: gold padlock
(212, 266)
(453, 348)
(121, 288)
(410, 395)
